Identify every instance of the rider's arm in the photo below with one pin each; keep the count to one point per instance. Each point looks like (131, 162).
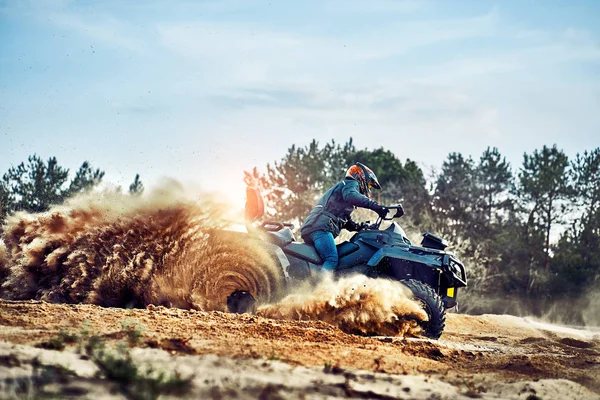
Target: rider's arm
(352, 196)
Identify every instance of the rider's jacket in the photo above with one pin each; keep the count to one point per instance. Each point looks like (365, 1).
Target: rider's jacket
(333, 210)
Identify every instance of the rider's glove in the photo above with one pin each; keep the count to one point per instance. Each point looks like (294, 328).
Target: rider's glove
(400, 211)
(351, 225)
(361, 226)
(381, 211)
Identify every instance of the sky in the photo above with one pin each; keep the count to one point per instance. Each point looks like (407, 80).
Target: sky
(199, 91)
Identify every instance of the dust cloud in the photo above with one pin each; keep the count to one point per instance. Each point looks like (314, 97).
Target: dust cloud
(591, 313)
(118, 250)
(3, 261)
(171, 249)
(355, 304)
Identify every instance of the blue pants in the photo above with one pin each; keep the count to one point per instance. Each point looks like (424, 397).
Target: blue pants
(325, 246)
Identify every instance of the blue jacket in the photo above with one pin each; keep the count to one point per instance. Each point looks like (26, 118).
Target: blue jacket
(333, 210)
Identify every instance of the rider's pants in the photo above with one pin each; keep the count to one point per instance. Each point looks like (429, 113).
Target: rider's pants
(325, 246)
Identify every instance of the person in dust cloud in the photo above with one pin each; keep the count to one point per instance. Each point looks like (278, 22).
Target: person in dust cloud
(332, 212)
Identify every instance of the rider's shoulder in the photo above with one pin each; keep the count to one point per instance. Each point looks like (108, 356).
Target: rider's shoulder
(348, 184)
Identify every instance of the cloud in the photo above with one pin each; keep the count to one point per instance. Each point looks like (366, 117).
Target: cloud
(396, 74)
(247, 53)
(143, 109)
(84, 19)
(108, 30)
(376, 6)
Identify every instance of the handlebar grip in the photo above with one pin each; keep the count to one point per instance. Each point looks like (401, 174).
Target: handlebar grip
(272, 226)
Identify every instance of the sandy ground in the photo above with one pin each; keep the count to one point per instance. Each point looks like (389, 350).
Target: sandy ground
(487, 356)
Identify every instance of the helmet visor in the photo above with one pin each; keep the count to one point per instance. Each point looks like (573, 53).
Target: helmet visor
(373, 182)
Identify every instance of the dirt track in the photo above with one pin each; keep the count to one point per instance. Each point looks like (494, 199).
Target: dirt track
(121, 251)
(473, 351)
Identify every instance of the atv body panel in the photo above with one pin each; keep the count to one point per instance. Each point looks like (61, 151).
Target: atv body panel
(381, 253)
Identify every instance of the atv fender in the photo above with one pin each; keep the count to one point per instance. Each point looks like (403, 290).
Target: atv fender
(284, 263)
(274, 250)
(395, 252)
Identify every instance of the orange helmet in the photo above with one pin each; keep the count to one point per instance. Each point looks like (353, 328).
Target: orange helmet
(365, 177)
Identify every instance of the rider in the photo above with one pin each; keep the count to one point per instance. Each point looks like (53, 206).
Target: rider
(332, 212)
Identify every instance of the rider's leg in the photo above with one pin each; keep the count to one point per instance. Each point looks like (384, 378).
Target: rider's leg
(325, 246)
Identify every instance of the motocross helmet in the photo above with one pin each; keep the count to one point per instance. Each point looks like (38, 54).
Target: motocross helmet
(365, 177)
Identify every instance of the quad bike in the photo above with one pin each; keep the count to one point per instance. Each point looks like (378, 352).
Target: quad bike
(432, 274)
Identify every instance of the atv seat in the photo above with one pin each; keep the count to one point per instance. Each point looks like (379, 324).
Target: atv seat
(281, 238)
(303, 251)
(309, 253)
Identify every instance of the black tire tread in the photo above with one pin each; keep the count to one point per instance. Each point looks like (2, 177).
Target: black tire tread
(434, 307)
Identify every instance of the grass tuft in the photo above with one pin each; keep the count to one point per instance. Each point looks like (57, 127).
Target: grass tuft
(134, 382)
(133, 329)
(115, 364)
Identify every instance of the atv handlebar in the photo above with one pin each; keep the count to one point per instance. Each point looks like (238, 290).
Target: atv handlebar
(399, 212)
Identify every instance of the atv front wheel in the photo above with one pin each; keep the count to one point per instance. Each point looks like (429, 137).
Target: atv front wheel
(433, 306)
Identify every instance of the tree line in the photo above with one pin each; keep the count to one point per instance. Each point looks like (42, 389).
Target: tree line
(36, 185)
(530, 236)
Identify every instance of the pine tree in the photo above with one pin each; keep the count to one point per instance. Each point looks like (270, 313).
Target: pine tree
(454, 197)
(494, 178)
(137, 187)
(493, 205)
(586, 169)
(544, 189)
(5, 199)
(576, 264)
(35, 186)
(85, 178)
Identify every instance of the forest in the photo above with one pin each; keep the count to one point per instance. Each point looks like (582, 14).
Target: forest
(529, 235)
(35, 185)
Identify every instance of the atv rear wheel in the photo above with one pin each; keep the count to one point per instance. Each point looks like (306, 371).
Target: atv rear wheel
(241, 302)
(433, 306)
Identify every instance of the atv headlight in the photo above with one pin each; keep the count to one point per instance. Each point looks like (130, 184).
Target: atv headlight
(454, 268)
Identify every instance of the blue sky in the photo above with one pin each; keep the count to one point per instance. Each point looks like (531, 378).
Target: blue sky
(201, 90)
